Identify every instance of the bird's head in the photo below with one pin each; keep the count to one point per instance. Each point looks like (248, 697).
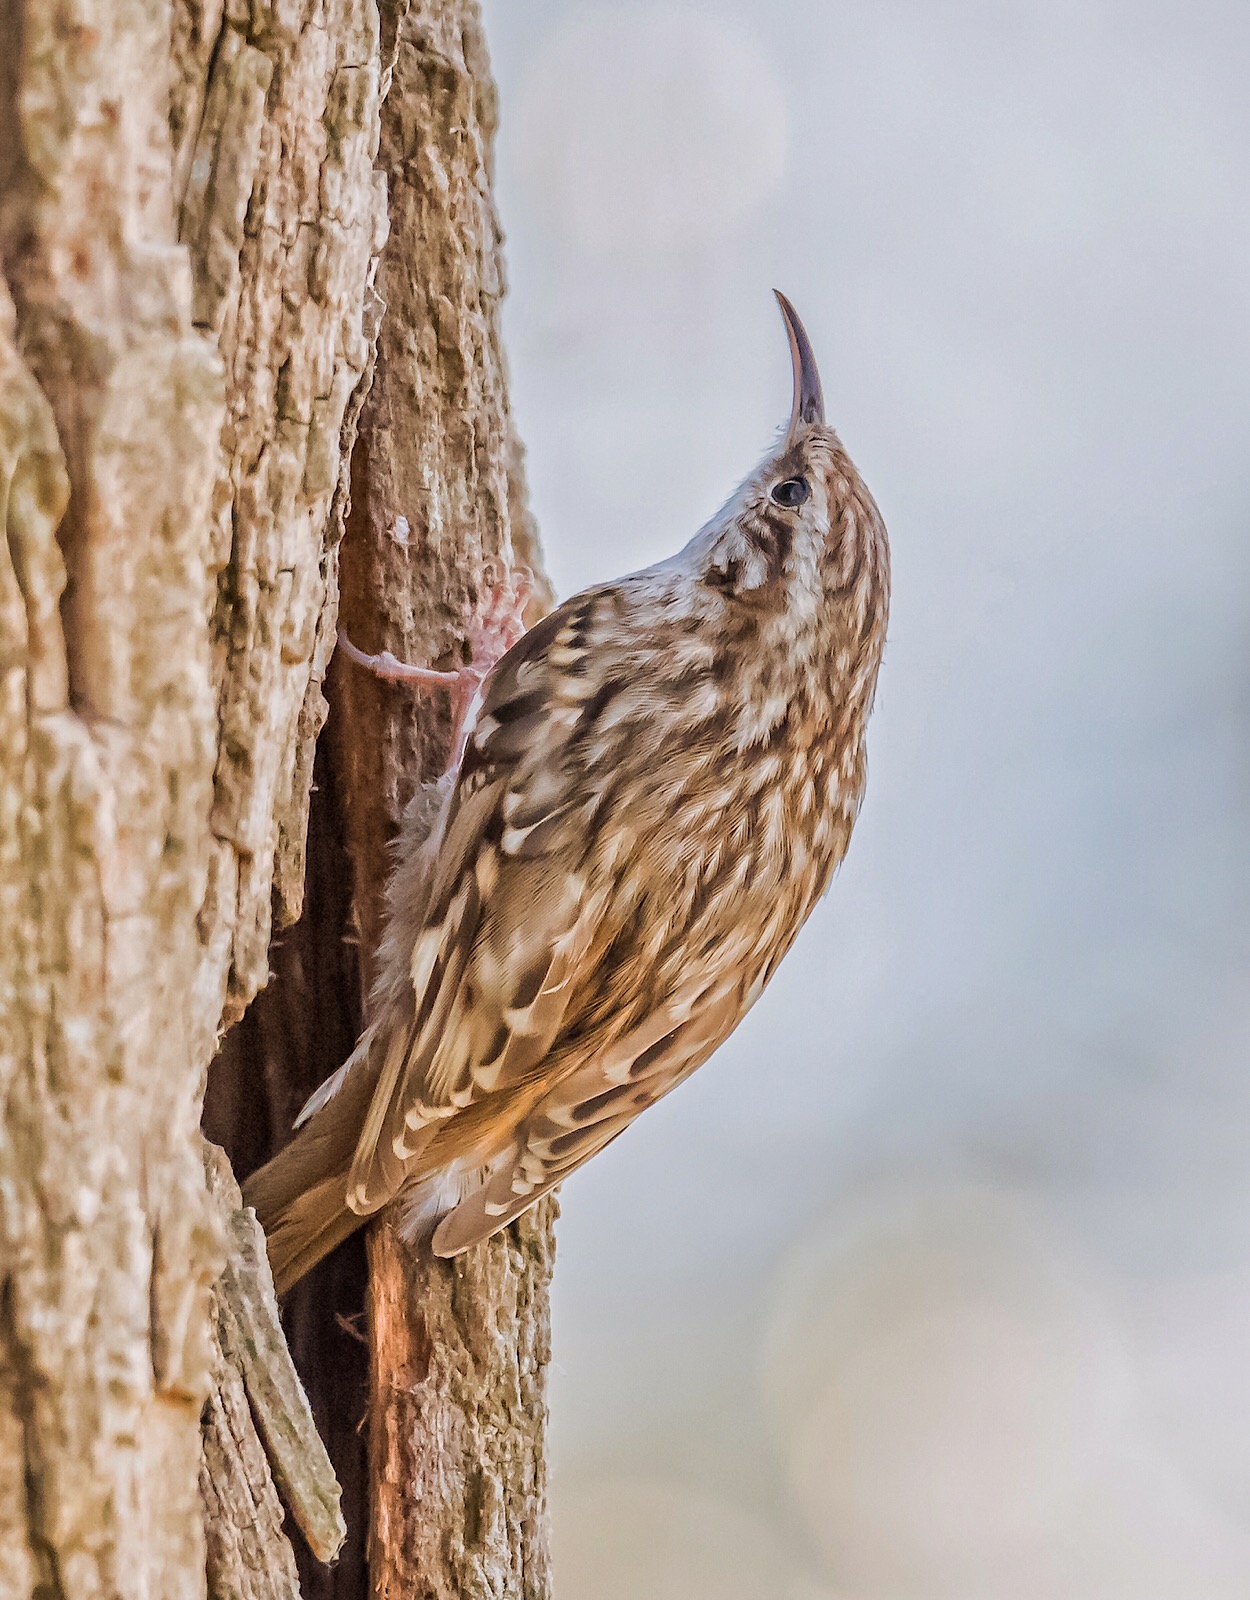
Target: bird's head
(799, 552)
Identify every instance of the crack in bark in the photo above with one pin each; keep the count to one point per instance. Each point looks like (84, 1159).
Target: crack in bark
(17, 1361)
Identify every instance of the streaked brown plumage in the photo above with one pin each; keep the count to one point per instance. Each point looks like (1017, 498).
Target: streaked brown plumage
(661, 779)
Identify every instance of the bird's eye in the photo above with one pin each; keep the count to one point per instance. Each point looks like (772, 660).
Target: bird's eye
(791, 492)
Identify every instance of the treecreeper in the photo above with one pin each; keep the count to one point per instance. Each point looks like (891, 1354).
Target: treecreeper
(651, 789)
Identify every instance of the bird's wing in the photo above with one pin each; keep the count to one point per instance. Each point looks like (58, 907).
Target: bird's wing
(587, 1108)
(509, 919)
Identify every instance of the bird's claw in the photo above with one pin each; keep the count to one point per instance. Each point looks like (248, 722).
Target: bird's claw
(499, 623)
(493, 631)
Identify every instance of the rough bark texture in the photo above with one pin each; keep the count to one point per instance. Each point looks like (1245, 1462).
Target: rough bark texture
(248, 1556)
(111, 415)
(283, 212)
(191, 209)
(458, 1418)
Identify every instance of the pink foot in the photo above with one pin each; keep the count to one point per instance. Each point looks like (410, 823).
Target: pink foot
(491, 633)
(392, 670)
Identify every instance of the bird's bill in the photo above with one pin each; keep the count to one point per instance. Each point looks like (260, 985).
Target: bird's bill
(809, 400)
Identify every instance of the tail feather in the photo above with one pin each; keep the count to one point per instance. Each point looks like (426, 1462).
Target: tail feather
(308, 1229)
(300, 1196)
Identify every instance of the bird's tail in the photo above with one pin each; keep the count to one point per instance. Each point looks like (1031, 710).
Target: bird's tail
(300, 1196)
(300, 1227)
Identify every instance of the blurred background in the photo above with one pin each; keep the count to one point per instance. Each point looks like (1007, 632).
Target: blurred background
(936, 1281)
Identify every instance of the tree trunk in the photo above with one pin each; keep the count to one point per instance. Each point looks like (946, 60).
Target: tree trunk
(190, 223)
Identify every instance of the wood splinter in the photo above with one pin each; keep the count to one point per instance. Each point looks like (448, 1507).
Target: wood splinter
(254, 1347)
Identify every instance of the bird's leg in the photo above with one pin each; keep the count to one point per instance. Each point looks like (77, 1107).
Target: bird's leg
(494, 629)
(392, 670)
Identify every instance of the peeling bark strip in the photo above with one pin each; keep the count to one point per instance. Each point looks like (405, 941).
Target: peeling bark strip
(279, 1427)
(249, 1557)
(296, 1032)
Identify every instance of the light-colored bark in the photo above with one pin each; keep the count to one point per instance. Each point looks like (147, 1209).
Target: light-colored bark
(249, 1558)
(191, 209)
(112, 407)
(283, 213)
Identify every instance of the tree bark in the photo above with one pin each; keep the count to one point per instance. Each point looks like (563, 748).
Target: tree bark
(190, 222)
(112, 409)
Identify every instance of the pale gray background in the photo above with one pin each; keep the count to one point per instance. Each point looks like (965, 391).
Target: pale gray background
(936, 1282)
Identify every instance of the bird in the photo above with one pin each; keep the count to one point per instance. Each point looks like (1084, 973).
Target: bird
(653, 788)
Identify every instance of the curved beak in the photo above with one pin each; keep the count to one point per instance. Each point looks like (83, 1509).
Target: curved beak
(809, 402)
